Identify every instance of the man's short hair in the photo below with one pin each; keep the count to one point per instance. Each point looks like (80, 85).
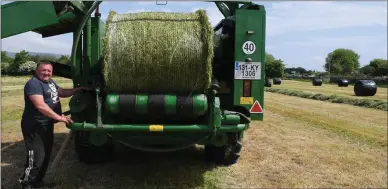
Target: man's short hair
(42, 62)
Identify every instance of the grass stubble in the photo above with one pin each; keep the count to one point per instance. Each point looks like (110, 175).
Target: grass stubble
(301, 143)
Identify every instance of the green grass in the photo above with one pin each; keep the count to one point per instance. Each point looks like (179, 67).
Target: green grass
(380, 84)
(359, 132)
(21, 80)
(368, 103)
(301, 143)
(12, 100)
(330, 89)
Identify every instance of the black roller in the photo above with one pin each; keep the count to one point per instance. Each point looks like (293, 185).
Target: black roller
(277, 81)
(184, 106)
(317, 82)
(156, 106)
(343, 83)
(156, 103)
(127, 104)
(365, 88)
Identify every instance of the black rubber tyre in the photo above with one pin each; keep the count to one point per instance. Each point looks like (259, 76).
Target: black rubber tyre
(225, 155)
(89, 153)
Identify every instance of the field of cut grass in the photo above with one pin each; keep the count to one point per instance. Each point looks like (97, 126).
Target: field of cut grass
(329, 89)
(301, 143)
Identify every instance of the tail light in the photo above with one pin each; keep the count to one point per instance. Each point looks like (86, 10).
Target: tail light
(247, 88)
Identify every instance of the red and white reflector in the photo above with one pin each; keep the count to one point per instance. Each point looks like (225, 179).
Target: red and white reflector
(256, 108)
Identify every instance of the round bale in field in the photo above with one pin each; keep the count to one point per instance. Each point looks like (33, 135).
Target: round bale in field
(268, 83)
(277, 81)
(343, 83)
(365, 88)
(317, 82)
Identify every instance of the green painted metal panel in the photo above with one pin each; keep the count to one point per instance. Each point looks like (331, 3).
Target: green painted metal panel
(97, 34)
(231, 120)
(170, 101)
(250, 29)
(200, 104)
(95, 47)
(170, 106)
(87, 52)
(112, 103)
(141, 103)
(81, 6)
(23, 16)
(76, 68)
(156, 128)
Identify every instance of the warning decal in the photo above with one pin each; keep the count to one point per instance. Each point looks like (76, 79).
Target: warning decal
(256, 108)
(246, 100)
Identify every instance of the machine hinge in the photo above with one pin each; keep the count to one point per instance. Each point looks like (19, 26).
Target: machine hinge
(250, 32)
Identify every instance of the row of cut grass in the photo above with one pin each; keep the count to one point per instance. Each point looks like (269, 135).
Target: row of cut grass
(330, 89)
(368, 103)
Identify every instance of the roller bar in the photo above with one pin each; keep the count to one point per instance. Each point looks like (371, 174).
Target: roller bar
(157, 128)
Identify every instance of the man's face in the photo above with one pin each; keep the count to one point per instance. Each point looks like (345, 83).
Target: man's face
(44, 72)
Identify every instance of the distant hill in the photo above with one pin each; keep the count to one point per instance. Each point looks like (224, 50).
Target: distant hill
(12, 54)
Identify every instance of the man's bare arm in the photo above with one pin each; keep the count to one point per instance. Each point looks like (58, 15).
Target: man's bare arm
(42, 107)
(64, 93)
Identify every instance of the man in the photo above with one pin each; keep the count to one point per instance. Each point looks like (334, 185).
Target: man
(42, 109)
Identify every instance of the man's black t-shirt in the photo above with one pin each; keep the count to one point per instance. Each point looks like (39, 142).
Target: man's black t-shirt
(49, 91)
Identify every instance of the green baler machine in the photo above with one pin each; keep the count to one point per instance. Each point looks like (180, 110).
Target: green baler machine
(216, 119)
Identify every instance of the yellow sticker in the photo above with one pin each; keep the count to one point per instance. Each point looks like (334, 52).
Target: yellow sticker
(156, 128)
(246, 100)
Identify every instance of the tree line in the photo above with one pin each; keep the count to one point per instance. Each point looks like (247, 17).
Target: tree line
(346, 62)
(341, 61)
(23, 62)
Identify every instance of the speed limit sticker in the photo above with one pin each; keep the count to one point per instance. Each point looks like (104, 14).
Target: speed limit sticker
(249, 47)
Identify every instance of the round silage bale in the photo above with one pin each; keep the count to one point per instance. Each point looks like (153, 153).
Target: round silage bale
(158, 52)
(268, 83)
(365, 88)
(317, 82)
(277, 81)
(343, 83)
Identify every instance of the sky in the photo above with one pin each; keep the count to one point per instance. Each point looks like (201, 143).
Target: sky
(301, 33)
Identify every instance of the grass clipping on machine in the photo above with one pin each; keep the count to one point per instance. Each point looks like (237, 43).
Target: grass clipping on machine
(158, 52)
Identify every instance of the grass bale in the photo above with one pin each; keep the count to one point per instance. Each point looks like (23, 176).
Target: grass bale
(277, 81)
(268, 83)
(365, 88)
(343, 83)
(158, 52)
(317, 82)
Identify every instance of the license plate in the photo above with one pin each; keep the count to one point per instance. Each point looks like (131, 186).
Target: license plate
(247, 70)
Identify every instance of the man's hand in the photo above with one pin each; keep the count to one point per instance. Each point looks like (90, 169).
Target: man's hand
(64, 119)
